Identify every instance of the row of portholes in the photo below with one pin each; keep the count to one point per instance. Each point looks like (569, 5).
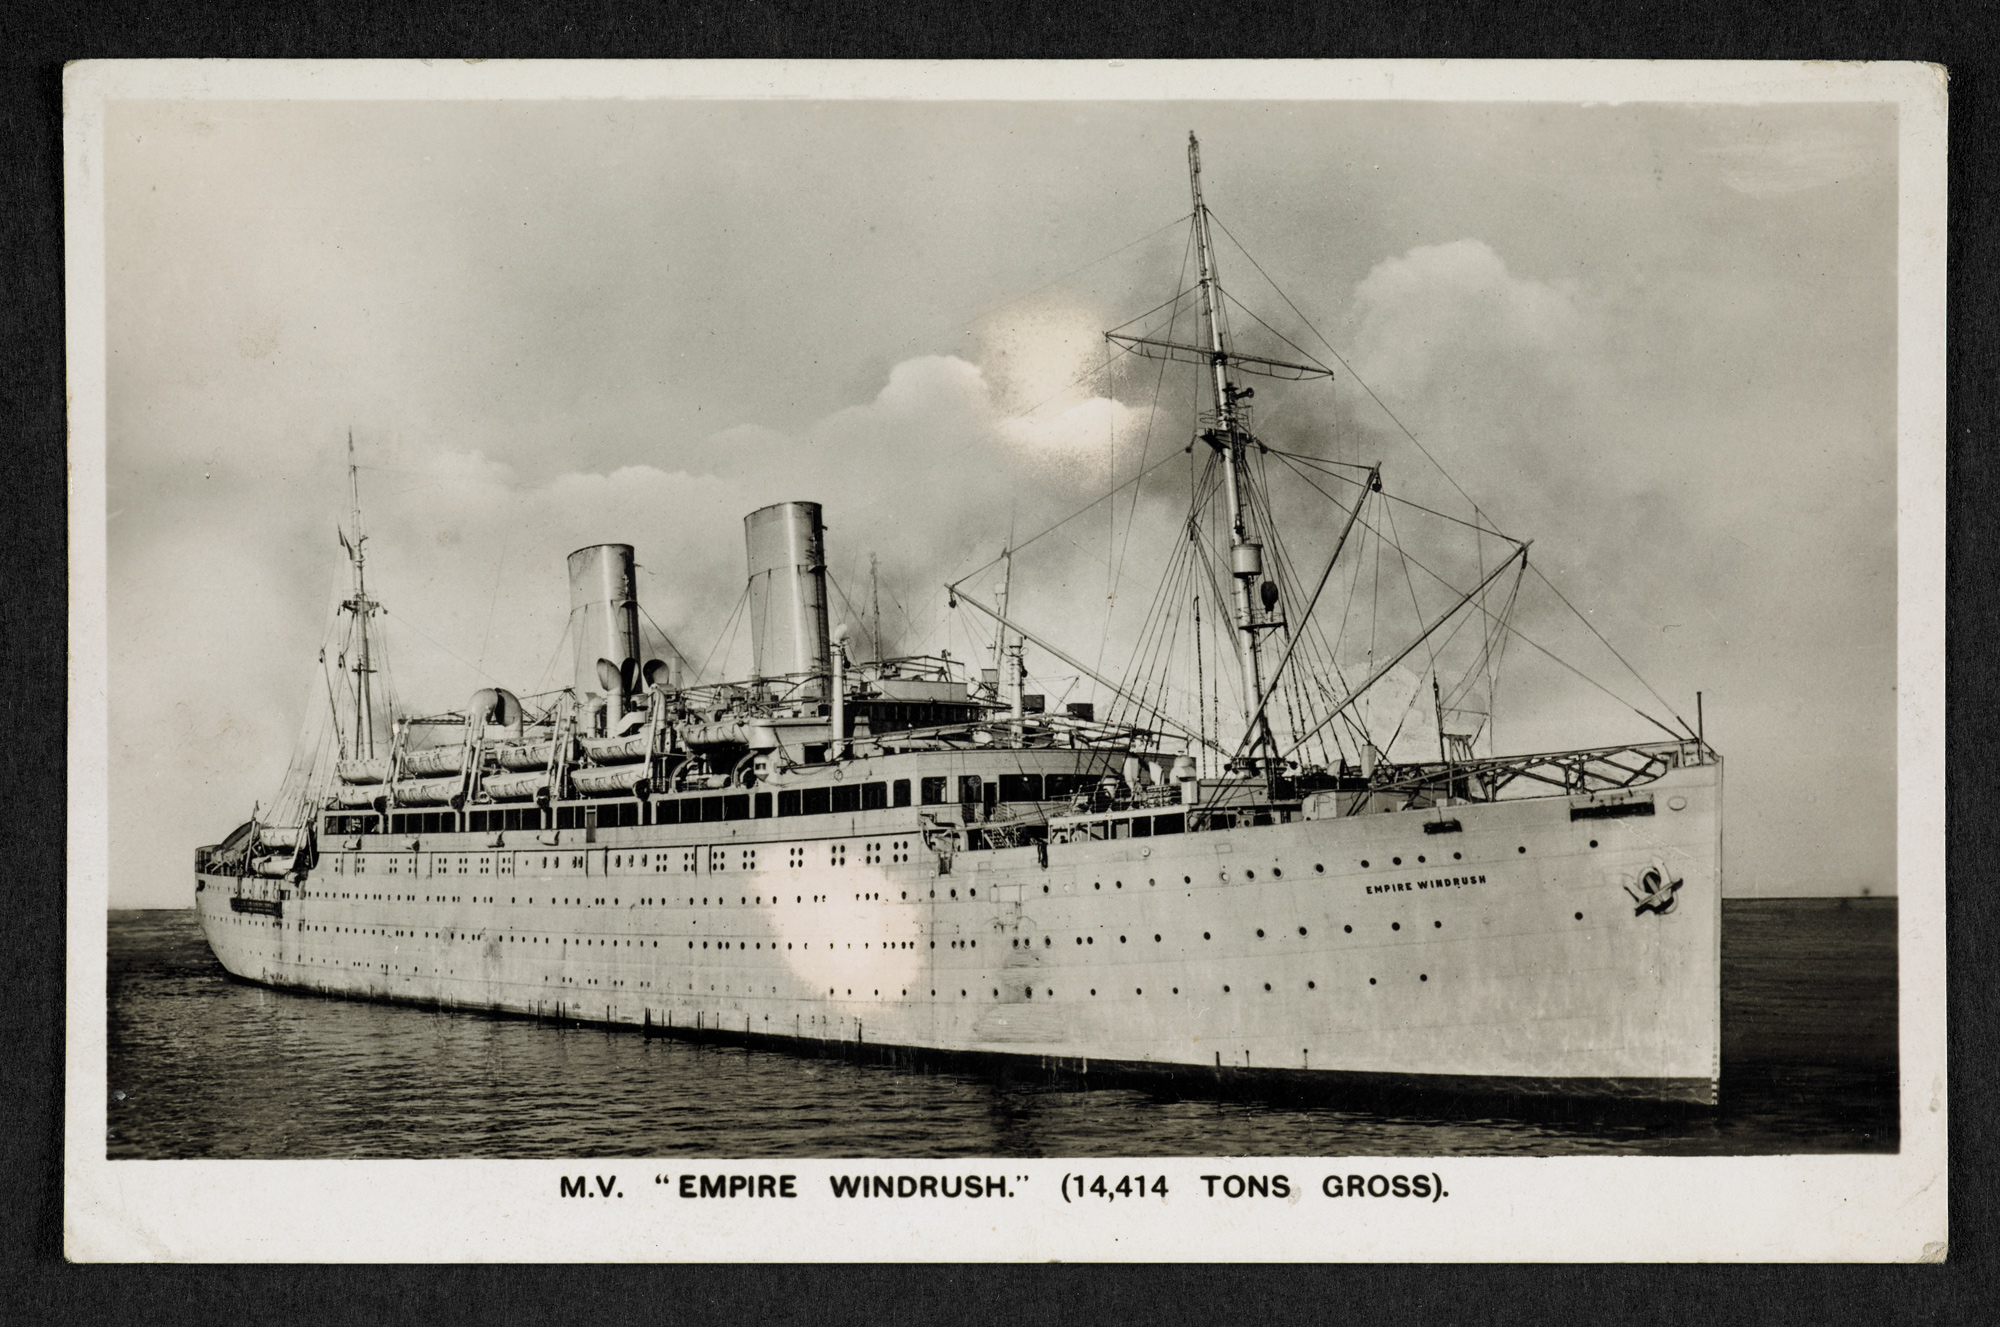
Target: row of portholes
(1028, 992)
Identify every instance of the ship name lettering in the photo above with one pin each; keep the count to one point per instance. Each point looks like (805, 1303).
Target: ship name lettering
(1442, 882)
(739, 1186)
(919, 1186)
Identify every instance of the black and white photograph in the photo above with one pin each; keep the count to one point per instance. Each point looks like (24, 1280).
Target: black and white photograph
(1014, 661)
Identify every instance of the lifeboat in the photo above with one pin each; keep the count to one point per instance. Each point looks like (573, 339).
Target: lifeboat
(610, 781)
(279, 836)
(426, 792)
(524, 755)
(515, 787)
(364, 794)
(617, 750)
(275, 865)
(372, 769)
(430, 761)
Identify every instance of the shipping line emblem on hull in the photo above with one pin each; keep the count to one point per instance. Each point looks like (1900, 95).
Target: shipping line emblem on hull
(1656, 893)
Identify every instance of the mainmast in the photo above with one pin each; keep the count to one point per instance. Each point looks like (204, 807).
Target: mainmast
(1229, 439)
(363, 608)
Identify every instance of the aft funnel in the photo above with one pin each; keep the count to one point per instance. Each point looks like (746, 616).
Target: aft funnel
(604, 621)
(788, 638)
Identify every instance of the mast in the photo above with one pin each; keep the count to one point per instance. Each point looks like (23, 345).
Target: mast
(363, 608)
(1228, 439)
(875, 609)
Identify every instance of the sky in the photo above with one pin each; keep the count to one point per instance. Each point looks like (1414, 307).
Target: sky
(1658, 340)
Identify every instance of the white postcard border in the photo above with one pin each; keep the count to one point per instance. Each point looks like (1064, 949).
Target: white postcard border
(1805, 1208)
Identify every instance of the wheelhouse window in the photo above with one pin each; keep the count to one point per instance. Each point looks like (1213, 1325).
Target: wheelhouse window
(933, 790)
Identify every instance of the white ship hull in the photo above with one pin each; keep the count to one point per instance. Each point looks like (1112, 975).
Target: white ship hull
(1510, 956)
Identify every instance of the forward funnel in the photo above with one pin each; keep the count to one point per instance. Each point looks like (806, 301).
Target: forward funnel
(788, 637)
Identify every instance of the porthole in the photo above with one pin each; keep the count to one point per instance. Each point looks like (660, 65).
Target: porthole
(1579, 916)
(1204, 935)
(1319, 868)
(1187, 879)
(1423, 976)
(1121, 939)
(1310, 986)
(1395, 861)
(1156, 939)
(1277, 874)
(1267, 985)
(1420, 857)
(1348, 929)
(1302, 930)
(1455, 856)
(1260, 933)
(1364, 863)
(1593, 843)
(1097, 884)
(1225, 990)
(1437, 926)
(1249, 875)
(1395, 926)
(1177, 990)
(1522, 848)
(1371, 981)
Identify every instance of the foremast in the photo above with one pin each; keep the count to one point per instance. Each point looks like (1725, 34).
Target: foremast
(1230, 439)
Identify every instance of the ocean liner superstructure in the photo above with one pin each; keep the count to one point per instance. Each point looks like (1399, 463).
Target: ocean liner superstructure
(901, 857)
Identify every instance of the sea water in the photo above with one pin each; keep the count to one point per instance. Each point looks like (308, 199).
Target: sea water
(203, 1066)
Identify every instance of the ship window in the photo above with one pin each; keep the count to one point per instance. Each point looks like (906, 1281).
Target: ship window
(933, 791)
(968, 788)
(1056, 786)
(813, 801)
(846, 797)
(900, 792)
(1173, 824)
(762, 804)
(565, 817)
(736, 806)
(788, 802)
(1020, 787)
(667, 812)
(1142, 827)
(711, 809)
(874, 796)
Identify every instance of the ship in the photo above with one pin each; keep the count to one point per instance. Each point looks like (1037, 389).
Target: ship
(921, 862)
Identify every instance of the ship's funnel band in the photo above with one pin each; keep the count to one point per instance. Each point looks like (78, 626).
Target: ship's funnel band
(788, 631)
